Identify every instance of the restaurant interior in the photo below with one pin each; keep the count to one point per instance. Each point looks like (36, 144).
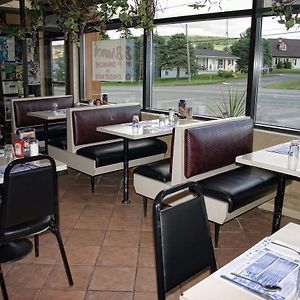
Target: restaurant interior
(149, 149)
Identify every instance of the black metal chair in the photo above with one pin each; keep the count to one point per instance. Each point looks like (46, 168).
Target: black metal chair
(29, 206)
(182, 241)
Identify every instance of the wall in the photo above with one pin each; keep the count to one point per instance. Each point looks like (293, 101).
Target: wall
(263, 139)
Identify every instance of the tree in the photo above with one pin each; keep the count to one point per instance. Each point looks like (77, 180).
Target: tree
(160, 52)
(241, 48)
(176, 54)
(266, 52)
(205, 45)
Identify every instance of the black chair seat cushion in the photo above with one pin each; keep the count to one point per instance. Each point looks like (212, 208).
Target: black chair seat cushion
(111, 153)
(54, 130)
(59, 142)
(24, 230)
(240, 186)
(157, 170)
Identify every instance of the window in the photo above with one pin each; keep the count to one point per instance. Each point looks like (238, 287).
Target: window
(200, 49)
(114, 66)
(279, 90)
(176, 8)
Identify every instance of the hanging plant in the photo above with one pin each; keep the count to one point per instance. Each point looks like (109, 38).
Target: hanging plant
(287, 12)
(75, 16)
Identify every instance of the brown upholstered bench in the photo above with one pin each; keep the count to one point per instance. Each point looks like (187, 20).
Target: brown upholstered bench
(22, 106)
(95, 153)
(207, 150)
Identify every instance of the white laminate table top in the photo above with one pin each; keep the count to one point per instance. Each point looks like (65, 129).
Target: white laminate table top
(268, 160)
(60, 166)
(215, 288)
(147, 129)
(48, 114)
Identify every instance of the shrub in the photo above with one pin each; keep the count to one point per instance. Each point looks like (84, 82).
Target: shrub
(280, 65)
(225, 74)
(287, 65)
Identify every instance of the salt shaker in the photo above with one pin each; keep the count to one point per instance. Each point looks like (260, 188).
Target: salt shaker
(293, 154)
(171, 115)
(34, 147)
(135, 124)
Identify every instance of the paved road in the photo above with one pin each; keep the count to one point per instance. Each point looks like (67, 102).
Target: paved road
(274, 107)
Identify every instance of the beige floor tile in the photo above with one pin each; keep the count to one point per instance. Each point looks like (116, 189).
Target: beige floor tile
(116, 238)
(81, 255)
(146, 258)
(117, 256)
(125, 223)
(92, 222)
(57, 278)
(61, 295)
(102, 295)
(101, 209)
(27, 275)
(21, 293)
(113, 279)
(89, 237)
(147, 239)
(146, 280)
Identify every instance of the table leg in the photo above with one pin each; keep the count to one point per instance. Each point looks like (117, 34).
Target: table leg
(125, 173)
(46, 135)
(278, 203)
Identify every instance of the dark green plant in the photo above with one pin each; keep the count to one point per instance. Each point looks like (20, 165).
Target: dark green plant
(232, 105)
(280, 65)
(225, 73)
(287, 12)
(287, 65)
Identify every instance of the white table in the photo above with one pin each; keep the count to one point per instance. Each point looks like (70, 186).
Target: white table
(60, 166)
(214, 287)
(47, 116)
(147, 129)
(274, 162)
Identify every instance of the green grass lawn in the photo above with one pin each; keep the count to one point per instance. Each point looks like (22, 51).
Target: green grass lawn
(288, 85)
(196, 80)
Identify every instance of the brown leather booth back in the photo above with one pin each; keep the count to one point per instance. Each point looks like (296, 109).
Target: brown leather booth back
(86, 121)
(216, 145)
(21, 108)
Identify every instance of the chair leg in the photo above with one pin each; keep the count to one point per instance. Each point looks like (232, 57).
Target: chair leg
(3, 286)
(36, 245)
(93, 183)
(56, 231)
(145, 200)
(217, 233)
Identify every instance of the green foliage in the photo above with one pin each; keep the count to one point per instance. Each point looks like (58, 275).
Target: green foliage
(205, 45)
(241, 49)
(287, 65)
(174, 54)
(231, 106)
(280, 65)
(225, 73)
(287, 12)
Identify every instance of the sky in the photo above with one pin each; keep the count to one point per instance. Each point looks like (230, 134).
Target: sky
(221, 28)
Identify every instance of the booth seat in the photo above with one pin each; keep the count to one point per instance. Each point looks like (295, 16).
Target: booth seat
(94, 153)
(20, 108)
(206, 153)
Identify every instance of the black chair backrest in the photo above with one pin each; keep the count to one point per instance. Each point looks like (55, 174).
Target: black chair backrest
(29, 193)
(183, 245)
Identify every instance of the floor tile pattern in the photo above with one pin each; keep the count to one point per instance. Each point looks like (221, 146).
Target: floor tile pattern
(109, 246)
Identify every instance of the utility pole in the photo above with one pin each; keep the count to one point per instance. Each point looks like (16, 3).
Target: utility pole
(188, 53)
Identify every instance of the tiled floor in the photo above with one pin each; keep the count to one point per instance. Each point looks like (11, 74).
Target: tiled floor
(109, 246)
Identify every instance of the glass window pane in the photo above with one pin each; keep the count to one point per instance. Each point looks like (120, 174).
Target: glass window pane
(114, 67)
(58, 67)
(218, 61)
(279, 87)
(175, 8)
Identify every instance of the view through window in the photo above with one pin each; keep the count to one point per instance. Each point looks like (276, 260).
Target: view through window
(204, 63)
(279, 88)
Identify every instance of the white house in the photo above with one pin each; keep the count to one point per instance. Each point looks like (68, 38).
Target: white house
(213, 60)
(285, 50)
